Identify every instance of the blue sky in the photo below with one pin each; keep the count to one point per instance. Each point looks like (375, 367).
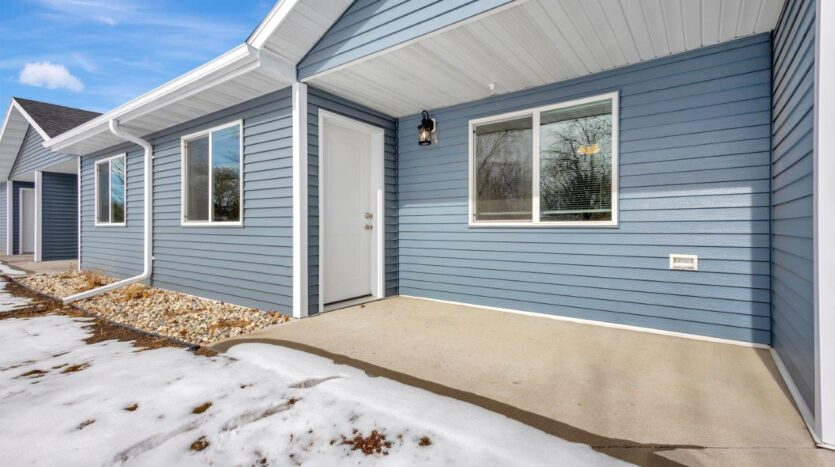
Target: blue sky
(98, 54)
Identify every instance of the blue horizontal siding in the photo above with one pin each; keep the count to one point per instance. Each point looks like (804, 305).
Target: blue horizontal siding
(792, 170)
(59, 214)
(695, 145)
(318, 99)
(249, 265)
(34, 156)
(370, 26)
(115, 251)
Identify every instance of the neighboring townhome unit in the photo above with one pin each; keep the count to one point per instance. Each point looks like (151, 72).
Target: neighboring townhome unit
(38, 198)
(648, 165)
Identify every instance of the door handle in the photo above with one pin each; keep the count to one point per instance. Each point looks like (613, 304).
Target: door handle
(368, 226)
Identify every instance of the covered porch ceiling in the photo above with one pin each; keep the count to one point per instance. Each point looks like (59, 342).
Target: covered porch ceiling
(535, 42)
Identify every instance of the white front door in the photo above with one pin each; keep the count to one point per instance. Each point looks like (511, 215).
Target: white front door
(348, 213)
(27, 220)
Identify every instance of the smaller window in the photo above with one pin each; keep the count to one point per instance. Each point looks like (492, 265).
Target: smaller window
(212, 184)
(111, 186)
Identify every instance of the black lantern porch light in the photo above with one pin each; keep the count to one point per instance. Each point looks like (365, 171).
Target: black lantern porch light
(425, 129)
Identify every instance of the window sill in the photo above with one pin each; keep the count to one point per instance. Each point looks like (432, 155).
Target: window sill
(111, 225)
(546, 225)
(211, 224)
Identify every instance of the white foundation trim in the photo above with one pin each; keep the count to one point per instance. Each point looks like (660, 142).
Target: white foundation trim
(300, 182)
(805, 412)
(824, 222)
(37, 254)
(600, 323)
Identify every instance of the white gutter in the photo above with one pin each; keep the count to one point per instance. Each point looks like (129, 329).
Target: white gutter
(146, 271)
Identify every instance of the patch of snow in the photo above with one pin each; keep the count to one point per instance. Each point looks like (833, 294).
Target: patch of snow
(8, 270)
(267, 402)
(9, 302)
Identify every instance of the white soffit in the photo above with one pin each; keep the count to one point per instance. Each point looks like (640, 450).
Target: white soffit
(539, 42)
(237, 76)
(293, 27)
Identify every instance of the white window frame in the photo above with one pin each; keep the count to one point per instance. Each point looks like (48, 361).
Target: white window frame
(535, 113)
(184, 177)
(107, 161)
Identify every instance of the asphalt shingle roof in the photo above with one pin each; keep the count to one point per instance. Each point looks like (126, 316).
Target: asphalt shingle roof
(55, 119)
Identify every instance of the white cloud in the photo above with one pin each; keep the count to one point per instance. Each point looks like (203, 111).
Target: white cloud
(49, 75)
(106, 20)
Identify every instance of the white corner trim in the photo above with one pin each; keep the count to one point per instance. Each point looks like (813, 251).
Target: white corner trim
(78, 216)
(37, 254)
(300, 182)
(9, 196)
(824, 222)
(604, 324)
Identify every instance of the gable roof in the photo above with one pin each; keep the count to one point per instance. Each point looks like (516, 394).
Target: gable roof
(55, 119)
(48, 120)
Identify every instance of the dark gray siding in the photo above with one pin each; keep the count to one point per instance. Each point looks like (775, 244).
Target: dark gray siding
(33, 156)
(59, 213)
(249, 265)
(3, 207)
(115, 251)
(16, 186)
(369, 26)
(695, 141)
(792, 172)
(318, 99)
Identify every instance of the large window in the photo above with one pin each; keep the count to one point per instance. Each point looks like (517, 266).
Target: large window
(554, 165)
(212, 167)
(111, 184)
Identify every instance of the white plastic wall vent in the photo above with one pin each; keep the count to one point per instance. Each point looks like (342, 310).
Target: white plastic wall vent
(684, 262)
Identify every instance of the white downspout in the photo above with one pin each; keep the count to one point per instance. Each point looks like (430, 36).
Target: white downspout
(146, 271)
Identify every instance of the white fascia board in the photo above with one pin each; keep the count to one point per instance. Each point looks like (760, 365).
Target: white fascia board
(268, 26)
(15, 106)
(202, 77)
(824, 223)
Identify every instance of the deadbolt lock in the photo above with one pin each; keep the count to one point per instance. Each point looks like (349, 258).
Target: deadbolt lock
(368, 215)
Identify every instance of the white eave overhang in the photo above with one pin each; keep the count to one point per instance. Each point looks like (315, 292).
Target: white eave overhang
(266, 62)
(530, 43)
(241, 74)
(15, 125)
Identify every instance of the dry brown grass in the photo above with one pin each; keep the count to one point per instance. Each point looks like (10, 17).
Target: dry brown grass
(135, 292)
(93, 279)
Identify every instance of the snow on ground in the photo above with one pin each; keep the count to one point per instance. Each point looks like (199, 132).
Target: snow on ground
(8, 270)
(9, 302)
(110, 403)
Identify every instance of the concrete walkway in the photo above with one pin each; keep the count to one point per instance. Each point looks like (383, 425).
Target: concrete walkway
(26, 264)
(646, 398)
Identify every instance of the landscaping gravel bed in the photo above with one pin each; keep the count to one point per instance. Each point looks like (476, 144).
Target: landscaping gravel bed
(165, 312)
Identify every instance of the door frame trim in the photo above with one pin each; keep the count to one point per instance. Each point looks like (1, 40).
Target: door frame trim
(20, 218)
(378, 272)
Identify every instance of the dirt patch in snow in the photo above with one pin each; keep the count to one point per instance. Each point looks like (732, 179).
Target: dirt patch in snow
(164, 312)
(100, 330)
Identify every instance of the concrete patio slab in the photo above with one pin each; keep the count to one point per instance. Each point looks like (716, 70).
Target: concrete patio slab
(643, 397)
(28, 265)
